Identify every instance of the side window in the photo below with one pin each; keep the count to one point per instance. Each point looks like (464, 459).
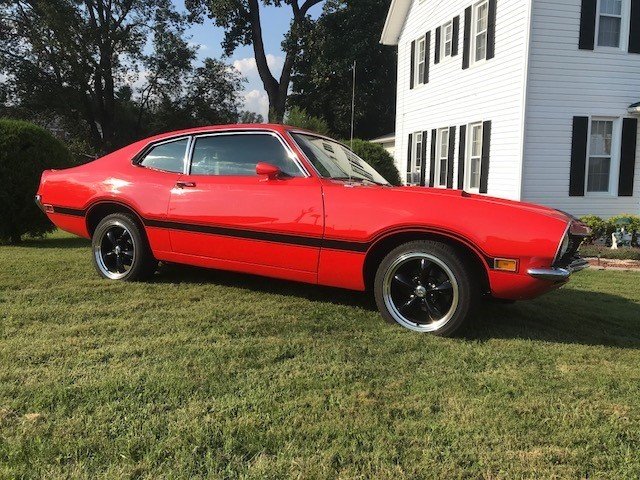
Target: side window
(168, 157)
(238, 155)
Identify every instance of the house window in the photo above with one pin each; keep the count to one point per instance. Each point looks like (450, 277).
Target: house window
(600, 157)
(442, 158)
(415, 162)
(480, 26)
(447, 44)
(610, 23)
(420, 61)
(474, 157)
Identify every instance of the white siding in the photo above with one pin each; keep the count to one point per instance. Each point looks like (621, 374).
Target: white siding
(490, 91)
(563, 82)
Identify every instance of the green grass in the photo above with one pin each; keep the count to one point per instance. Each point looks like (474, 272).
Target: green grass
(210, 374)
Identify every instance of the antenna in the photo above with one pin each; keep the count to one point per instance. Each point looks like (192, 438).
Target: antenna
(353, 103)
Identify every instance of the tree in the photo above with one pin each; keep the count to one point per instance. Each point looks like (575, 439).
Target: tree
(243, 26)
(322, 80)
(250, 117)
(25, 152)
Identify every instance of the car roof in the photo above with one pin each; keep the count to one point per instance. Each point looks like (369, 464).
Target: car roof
(272, 127)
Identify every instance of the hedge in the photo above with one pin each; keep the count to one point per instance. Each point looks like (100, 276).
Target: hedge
(26, 150)
(376, 156)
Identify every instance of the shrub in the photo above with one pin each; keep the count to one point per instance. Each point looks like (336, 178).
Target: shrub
(298, 117)
(376, 156)
(622, 253)
(26, 150)
(599, 227)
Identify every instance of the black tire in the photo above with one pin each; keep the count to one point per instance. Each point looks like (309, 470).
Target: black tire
(446, 291)
(120, 249)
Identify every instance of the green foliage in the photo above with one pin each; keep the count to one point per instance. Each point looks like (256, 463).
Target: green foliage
(604, 228)
(26, 150)
(376, 156)
(621, 253)
(298, 117)
(348, 30)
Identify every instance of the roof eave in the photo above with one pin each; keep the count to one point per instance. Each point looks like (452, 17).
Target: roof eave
(396, 17)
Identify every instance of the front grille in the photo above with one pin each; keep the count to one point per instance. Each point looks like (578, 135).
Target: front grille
(572, 252)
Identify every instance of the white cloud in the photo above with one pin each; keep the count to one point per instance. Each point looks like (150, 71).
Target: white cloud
(248, 67)
(198, 46)
(258, 102)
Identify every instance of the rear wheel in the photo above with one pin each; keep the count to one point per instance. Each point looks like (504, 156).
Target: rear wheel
(427, 287)
(120, 249)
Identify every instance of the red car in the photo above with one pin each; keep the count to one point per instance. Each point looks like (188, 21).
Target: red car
(280, 202)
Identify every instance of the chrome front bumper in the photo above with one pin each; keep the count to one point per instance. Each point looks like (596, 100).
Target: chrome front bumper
(38, 200)
(558, 274)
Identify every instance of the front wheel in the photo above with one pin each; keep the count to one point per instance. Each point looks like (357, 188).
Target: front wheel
(120, 249)
(427, 287)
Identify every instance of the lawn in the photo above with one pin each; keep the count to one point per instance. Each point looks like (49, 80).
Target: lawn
(210, 374)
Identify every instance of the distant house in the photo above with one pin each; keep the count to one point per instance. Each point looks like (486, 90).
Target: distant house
(388, 142)
(522, 99)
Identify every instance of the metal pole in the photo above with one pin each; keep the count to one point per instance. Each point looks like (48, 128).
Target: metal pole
(353, 103)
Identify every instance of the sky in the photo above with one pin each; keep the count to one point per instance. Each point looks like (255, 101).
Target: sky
(275, 23)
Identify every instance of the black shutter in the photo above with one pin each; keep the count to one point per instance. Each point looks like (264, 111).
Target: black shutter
(413, 65)
(588, 25)
(486, 152)
(451, 156)
(423, 167)
(455, 34)
(491, 29)
(436, 54)
(462, 151)
(634, 32)
(432, 165)
(578, 156)
(628, 156)
(427, 48)
(466, 47)
(409, 152)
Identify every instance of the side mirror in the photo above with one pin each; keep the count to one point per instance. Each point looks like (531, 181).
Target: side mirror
(269, 170)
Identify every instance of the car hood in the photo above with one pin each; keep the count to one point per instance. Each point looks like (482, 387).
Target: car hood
(427, 192)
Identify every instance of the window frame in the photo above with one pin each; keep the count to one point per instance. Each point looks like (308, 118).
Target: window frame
(625, 26)
(614, 163)
(420, 60)
(139, 158)
(439, 157)
(290, 153)
(475, 33)
(415, 168)
(443, 46)
(469, 157)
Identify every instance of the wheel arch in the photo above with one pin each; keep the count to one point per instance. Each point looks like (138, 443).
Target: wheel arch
(385, 244)
(98, 210)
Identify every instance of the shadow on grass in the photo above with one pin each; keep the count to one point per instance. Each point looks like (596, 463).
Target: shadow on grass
(173, 273)
(563, 316)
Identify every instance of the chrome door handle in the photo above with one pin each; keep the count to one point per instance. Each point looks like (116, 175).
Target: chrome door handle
(185, 184)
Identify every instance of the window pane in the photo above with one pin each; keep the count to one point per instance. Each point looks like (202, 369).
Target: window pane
(482, 17)
(474, 174)
(481, 46)
(609, 32)
(476, 143)
(168, 157)
(611, 7)
(443, 172)
(598, 180)
(228, 155)
(601, 137)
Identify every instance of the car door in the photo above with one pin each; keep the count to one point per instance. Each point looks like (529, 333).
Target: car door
(223, 210)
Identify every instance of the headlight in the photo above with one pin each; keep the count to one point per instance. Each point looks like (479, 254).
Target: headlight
(564, 246)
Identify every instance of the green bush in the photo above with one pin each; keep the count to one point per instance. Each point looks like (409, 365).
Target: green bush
(298, 117)
(622, 253)
(26, 150)
(376, 156)
(599, 227)
(604, 228)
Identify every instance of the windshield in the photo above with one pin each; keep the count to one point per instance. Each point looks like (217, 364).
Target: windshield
(333, 160)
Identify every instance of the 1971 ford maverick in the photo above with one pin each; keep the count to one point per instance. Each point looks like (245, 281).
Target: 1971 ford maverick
(280, 202)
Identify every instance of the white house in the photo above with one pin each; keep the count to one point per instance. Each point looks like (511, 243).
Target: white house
(388, 142)
(532, 100)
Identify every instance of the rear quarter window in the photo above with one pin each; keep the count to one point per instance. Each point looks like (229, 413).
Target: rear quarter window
(168, 157)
